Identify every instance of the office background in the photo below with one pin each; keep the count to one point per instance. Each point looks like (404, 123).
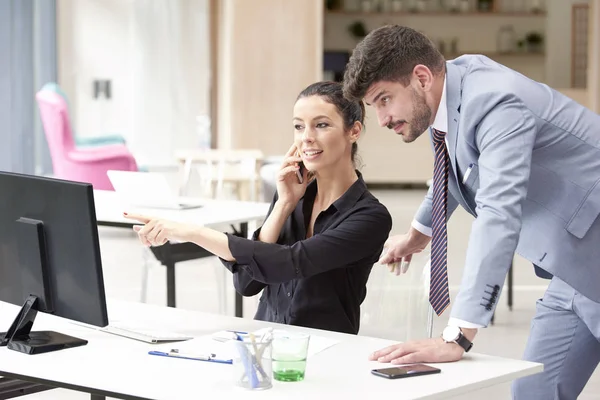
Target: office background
(169, 62)
(242, 63)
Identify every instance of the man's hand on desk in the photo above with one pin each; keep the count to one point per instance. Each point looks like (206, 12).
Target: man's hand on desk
(433, 350)
(157, 232)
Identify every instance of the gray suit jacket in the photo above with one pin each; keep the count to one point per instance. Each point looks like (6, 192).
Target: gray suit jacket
(533, 186)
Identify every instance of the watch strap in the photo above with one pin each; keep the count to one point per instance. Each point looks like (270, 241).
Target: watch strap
(463, 342)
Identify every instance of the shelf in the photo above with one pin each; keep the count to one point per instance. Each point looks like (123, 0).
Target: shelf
(449, 56)
(496, 54)
(437, 14)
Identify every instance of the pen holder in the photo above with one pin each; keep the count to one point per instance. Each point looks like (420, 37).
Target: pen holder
(252, 362)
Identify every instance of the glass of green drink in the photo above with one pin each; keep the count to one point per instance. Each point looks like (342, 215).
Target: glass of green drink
(289, 353)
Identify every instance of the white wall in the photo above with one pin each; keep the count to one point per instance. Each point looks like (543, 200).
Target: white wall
(156, 54)
(93, 43)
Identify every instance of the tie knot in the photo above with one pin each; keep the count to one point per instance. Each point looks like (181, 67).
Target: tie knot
(438, 136)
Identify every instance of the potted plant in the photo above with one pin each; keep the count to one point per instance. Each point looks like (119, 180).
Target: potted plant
(485, 5)
(358, 30)
(534, 42)
(333, 5)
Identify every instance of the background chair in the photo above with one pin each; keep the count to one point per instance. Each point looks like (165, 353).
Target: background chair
(74, 163)
(397, 307)
(217, 168)
(91, 141)
(268, 177)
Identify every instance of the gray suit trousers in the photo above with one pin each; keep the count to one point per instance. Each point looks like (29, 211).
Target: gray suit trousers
(565, 337)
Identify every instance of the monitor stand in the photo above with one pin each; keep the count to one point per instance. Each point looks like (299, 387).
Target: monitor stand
(20, 337)
(34, 279)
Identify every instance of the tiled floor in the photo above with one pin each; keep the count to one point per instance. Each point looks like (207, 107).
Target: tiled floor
(395, 306)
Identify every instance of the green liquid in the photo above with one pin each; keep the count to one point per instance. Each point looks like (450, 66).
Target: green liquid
(289, 371)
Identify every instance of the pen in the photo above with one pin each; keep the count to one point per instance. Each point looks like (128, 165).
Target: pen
(225, 336)
(198, 357)
(238, 333)
(466, 176)
(247, 361)
(256, 358)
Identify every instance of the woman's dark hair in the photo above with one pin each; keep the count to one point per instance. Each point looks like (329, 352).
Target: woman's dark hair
(332, 92)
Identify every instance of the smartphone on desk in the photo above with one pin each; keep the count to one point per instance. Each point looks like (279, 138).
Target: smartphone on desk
(406, 371)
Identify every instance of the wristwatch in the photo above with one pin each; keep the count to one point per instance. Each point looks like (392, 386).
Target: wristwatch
(453, 334)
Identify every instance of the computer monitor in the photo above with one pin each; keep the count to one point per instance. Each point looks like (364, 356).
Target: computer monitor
(49, 258)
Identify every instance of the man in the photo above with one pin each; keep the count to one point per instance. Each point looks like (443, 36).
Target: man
(525, 161)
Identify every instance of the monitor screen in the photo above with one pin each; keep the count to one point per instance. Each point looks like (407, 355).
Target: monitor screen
(70, 284)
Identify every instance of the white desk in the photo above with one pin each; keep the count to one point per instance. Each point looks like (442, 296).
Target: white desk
(110, 208)
(118, 367)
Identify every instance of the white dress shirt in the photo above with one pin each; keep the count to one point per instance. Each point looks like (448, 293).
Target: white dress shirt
(440, 123)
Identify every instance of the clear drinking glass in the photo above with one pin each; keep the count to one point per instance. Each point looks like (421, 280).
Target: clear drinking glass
(290, 351)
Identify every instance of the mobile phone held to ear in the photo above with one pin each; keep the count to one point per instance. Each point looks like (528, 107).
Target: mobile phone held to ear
(406, 371)
(300, 172)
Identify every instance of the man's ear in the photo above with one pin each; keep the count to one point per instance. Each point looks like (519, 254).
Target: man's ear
(424, 77)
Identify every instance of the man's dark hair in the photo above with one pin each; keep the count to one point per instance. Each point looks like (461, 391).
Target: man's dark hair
(389, 53)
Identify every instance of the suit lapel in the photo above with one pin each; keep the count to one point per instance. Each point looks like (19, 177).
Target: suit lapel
(454, 76)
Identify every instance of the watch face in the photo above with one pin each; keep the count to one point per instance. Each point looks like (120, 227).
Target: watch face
(451, 333)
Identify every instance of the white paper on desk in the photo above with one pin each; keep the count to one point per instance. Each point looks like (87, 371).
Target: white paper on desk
(207, 345)
(199, 345)
(319, 343)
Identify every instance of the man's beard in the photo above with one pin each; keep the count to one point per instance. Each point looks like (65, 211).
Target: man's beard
(421, 118)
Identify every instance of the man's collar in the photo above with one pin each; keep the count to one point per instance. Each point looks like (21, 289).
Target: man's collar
(440, 122)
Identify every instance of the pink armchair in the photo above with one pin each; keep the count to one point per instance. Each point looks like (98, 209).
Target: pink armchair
(78, 164)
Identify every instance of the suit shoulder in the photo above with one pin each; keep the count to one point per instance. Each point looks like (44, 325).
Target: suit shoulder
(483, 75)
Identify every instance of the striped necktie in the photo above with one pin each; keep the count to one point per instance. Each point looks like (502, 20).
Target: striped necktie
(439, 296)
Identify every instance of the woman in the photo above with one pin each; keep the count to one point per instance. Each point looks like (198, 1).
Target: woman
(314, 253)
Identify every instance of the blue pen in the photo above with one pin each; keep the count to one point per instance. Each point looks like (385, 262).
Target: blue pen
(175, 354)
(224, 336)
(238, 333)
(249, 369)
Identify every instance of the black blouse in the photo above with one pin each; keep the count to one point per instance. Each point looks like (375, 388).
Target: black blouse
(319, 282)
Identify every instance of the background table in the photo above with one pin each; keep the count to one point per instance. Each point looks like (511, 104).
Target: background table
(214, 213)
